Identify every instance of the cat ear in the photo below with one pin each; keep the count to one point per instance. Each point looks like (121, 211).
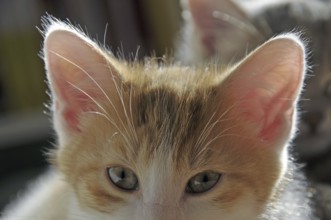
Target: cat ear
(265, 87)
(79, 76)
(217, 27)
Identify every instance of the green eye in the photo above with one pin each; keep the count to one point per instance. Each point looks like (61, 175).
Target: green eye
(123, 178)
(202, 182)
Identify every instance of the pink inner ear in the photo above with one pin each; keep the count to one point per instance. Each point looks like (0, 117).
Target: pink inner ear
(71, 119)
(272, 116)
(273, 130)
(80, 76)
(266, 87)
(269, 111)
(71, 103)
(278, 111)
(69, 116)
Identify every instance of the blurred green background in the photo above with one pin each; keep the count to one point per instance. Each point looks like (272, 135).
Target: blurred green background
(25, 128)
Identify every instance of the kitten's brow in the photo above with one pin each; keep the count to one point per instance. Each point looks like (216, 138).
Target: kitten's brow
(222, 134)
(203, 134)
(120, 96)
(105, 114)
(209, 127)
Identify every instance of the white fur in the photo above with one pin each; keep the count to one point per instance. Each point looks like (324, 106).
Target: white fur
(45, 200)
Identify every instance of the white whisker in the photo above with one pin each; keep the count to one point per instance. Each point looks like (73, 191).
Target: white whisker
(219, 135)
(105, 35)
(198, 142)
(85, 72)
(209, 127)
(101, 89)
(201, 143)
(93, 99)
(99, 113)
(120, 96)
(89, 96)
(131, 116)
(100, 106)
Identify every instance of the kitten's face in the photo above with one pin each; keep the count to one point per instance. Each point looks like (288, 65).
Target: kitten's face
(165, 142)
(228, 29)
(164, 169)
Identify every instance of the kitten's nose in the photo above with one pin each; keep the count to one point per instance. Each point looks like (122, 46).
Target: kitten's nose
(161, 212)
(313, 119)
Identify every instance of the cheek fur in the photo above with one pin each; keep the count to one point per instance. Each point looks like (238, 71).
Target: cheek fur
(84, 162)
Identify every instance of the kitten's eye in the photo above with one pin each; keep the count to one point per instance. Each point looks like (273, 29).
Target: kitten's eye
(123, 178)
(327, 89)
(202, 182)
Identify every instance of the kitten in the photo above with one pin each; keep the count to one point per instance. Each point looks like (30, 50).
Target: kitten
(227, 30)
(162, 141)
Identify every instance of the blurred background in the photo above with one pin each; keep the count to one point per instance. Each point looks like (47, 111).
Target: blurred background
(25, 127)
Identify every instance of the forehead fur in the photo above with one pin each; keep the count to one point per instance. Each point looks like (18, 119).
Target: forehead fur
(169, 105)
(170, 111)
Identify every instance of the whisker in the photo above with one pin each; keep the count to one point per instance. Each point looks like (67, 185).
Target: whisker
(203, 131)
(110, 120)
(137, 54)
(99, 113)
(129, 122)
(208, 128)
(89, 96)
(120, 96)
(220, 135)
(85, 72)
(100, 88)
(130, 110)
(105, 35)
(100, 106)
(206, 145)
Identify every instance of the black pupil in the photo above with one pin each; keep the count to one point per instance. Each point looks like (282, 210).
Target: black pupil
(122, 174)
(202, 182)
(205, 178)
(123, 178)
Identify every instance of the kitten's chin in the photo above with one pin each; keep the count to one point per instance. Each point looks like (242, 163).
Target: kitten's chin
(79, 213)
